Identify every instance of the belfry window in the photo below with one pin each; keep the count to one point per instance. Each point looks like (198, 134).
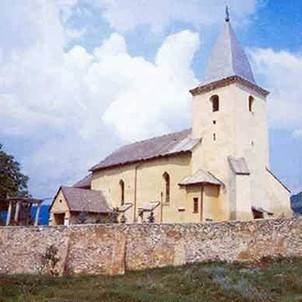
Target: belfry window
(166, 178)
(122, 190)
(215, 102)
(251, 104)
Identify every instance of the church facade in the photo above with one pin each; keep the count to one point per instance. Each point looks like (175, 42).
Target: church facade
(216, 170)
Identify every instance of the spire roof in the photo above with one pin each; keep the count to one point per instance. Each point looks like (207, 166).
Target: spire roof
(228, 57)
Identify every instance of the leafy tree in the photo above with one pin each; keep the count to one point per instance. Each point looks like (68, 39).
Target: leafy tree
(12, 181)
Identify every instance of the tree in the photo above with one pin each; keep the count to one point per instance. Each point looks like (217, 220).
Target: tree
(12, 181)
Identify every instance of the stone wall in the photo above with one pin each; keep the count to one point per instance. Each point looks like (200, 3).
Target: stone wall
(113, 249)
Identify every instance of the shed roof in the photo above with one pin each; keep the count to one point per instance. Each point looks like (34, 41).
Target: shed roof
(200, 177)
(165, 145)
(84, 183)
(239, 165)
(82, 200)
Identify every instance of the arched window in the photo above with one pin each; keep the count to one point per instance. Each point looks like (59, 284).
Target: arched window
(166, 178)
(251, 103)
(215, 102)
(122, 188)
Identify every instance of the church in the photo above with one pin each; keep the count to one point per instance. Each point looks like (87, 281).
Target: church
(215, 171)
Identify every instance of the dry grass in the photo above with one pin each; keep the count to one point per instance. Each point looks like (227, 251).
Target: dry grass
(269, 280)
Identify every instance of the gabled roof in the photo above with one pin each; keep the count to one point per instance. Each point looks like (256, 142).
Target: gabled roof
(277, 179)
(200, 177)
(84, 183)
(160, 146)
(82, 200)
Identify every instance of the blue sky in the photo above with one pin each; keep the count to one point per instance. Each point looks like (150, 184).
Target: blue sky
(76, 75)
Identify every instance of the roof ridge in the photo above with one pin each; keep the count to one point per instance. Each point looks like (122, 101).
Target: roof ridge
(163, 145)
(153, 138)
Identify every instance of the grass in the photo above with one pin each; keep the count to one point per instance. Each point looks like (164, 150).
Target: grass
(268, 280)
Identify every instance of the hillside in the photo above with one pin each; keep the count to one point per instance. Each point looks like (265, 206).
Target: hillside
(296, 203)
(267, 281)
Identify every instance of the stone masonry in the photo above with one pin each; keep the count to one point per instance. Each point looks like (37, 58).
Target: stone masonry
(114, 249)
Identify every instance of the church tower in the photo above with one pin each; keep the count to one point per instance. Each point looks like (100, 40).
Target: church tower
(229, 116)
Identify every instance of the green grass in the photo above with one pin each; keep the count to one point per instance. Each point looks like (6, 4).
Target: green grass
(269, 280)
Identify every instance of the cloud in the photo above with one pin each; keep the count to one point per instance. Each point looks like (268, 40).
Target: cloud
(68, 104)
(156, 93)
(71, 107)
(280, 71)
(126, 15)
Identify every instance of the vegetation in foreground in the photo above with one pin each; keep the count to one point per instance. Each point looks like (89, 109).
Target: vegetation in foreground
(268, 280)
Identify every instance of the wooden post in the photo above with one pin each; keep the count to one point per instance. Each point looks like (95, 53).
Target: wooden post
(9, 213)
(17, 210)
(37, 214)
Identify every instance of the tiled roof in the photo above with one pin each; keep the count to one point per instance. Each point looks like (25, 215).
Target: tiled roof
(82, 200)
(165, 145)
(239, 165)
(200, 177)
(84, 183)
(228, 59)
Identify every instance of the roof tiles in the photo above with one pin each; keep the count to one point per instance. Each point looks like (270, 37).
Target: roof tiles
(228, 59)
(165, 145)
(81, 200)
(201, 177)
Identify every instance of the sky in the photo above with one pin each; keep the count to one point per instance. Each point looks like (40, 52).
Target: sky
(79, 78)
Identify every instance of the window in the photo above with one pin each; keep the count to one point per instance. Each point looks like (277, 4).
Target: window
(257, 214)
(214, 122)
(251, 104)
(195, 205)
(214, 137)
(215, 102)
(122, 188)
(166, 178)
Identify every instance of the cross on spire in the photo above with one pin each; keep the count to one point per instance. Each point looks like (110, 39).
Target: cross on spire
(227, 14)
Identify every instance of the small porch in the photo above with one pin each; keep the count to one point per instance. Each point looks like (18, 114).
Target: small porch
(19, 210)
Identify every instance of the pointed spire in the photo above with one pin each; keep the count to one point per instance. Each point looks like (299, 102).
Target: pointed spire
(227, 14)
(228, 58)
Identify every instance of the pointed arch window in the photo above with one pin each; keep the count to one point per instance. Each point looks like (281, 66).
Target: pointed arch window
(251, 104)
(166, 178)
(122, 191)
(215, 102)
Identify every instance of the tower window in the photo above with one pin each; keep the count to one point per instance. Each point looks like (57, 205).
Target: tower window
(122, 190)
(166, 178)
(251, 104)
(214, 137)
(195, 205)
(215, 102)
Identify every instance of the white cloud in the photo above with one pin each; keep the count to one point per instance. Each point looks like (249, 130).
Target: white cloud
(280, 72)
(156, 93)
(73, 106)
(125, 15)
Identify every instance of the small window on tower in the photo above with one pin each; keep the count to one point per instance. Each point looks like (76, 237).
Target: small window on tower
(251, 104)
(215, 102)
(195, 205)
